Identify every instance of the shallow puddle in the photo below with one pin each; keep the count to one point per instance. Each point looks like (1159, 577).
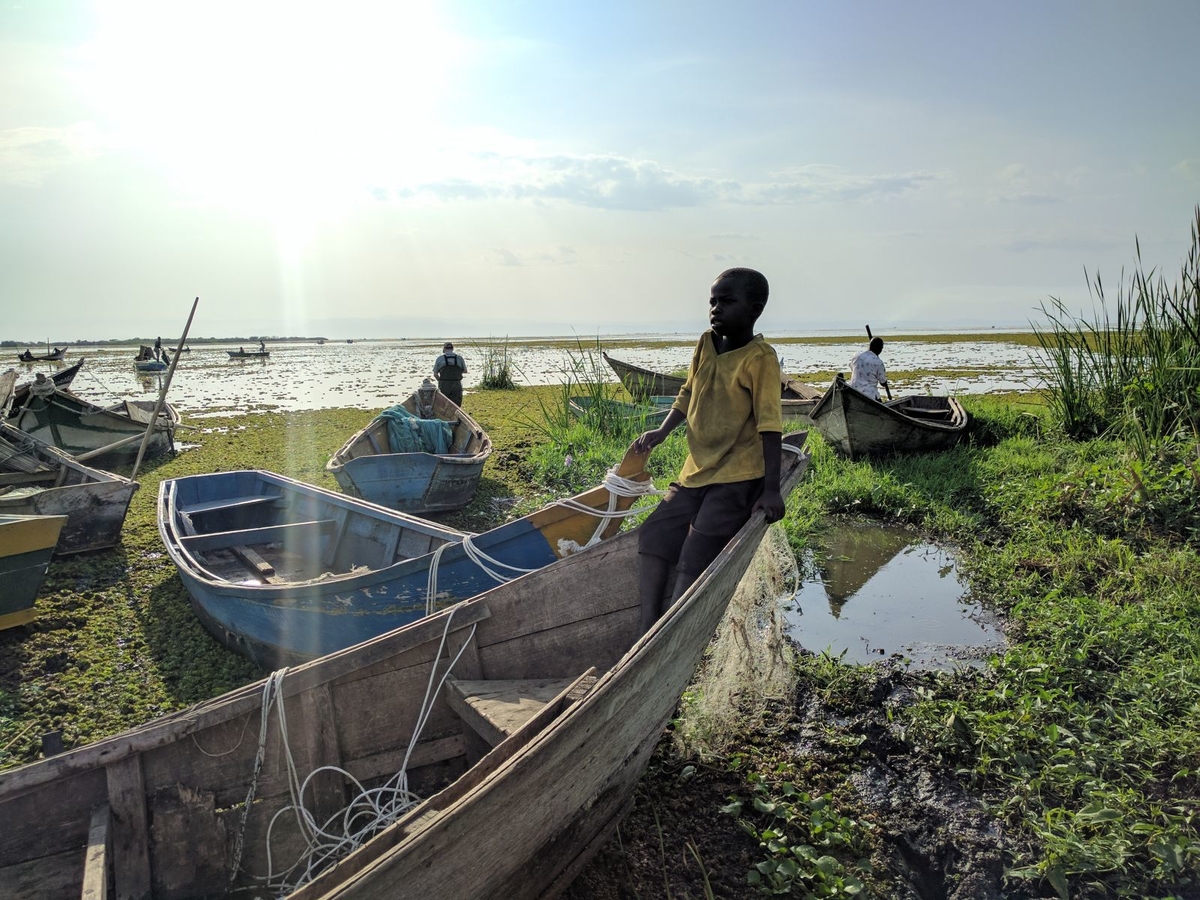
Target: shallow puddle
(880, 590)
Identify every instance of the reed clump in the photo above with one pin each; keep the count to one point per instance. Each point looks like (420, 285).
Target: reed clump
(497, 372)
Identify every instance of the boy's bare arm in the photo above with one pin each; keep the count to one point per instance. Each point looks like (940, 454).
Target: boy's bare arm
(771, 501)
(648, 440)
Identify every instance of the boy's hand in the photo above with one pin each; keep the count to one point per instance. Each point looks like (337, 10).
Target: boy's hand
(771, 503)
(647, 440)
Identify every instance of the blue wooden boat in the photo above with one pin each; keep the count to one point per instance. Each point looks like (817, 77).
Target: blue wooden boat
(282, 571)
(26, 544)
(426, 455)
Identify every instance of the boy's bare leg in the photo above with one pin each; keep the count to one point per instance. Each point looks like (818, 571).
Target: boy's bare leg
(652, 583)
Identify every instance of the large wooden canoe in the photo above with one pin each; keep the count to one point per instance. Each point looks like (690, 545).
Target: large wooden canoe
(283, 571)
(375, 466)
(642, 383)
(856, 426)
(26, 543)
(527, 759)
(77, 426)
(39, 480)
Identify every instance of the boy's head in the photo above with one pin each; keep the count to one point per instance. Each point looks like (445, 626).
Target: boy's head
(876, 345)
(736, 300)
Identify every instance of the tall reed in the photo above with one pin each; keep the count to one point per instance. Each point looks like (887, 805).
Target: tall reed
(1134, 371)
(497, 373)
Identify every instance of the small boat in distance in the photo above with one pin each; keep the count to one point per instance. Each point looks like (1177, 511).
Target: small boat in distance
(248, 354)
(424, 455)
(539, 706)
(857, 426)
(281, 571)
(26, 543)
(49, 356)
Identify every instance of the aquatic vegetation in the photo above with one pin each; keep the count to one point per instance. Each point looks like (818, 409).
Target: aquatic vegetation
(497, 373)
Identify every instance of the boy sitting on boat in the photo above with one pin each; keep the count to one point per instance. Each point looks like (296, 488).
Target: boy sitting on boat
(732, 407)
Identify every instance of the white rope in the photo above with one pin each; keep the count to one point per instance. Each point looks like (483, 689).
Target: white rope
(618, 486)
(368, 813)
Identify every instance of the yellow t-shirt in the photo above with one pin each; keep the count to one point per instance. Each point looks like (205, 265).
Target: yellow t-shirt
(729, 400)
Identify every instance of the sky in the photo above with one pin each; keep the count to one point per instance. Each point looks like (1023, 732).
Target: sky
(385, 168)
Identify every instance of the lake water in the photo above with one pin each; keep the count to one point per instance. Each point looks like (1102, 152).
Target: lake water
(375, 374)
(879, 590)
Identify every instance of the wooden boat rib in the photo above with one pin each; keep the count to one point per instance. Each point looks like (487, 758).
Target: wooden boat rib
(37, 479)
(26, 544)
(857, 426)
(528, 758)
(415, 482)
(77, 426)
(282, 571)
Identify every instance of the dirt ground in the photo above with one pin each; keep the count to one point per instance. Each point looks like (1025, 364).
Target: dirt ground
(930, 840)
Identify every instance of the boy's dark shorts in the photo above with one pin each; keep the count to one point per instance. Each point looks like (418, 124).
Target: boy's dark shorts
(718, 511)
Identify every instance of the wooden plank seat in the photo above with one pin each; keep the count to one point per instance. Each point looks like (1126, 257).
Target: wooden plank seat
(267, 534)
(495, 709)
(230, 503)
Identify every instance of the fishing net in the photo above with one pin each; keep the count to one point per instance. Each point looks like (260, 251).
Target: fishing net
(748, 665)
(408, 433)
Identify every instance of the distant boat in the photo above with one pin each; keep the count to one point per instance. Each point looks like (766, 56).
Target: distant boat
(857, 426)
(26, 543)
(424, 455)
(184, 350)
(77, 426)
(320, 341)
(150, 365)
(649, 414)
(248, 354)
(349, 340)
(643, 383)
(59, 353)
(282, 571)
(39, 480)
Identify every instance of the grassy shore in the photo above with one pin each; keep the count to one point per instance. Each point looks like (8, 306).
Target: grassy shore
(1069, 766)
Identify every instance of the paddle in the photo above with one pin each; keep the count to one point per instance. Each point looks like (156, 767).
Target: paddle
(162, 396)
(885, 384)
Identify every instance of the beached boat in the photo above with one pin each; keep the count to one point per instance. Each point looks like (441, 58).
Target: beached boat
(799, 400)
(48, 356)
(643, 383)
(77, 426)
(26, 544)
(649, 414)
(281, 571)
(39, 480)
(857, 426)
(424, 455)
(512, 728)
(61, 379)
(248, 354)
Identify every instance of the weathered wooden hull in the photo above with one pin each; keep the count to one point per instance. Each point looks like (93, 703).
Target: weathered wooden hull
(326, 571)
(40, 480)
(256, 354)
(642, 383)
(857, 426)
(43, 357)
(26, 544)
(77, 426)
(527, 796)
(414, 482)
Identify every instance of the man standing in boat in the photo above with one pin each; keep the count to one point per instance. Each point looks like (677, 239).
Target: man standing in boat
(867, 372)
(449, 369)
(731, 403)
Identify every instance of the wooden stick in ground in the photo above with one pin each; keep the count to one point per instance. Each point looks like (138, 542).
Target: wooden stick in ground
(162, 394)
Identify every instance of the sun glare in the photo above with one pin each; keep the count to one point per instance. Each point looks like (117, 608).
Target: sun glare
(273, 107)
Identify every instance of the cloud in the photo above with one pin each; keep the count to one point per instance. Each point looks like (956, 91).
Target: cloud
(618, 183)
(29, 153)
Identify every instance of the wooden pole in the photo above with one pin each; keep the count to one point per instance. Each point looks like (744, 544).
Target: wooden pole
(162, 395)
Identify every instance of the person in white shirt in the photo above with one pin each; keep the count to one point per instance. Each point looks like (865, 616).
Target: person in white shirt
(867, 372)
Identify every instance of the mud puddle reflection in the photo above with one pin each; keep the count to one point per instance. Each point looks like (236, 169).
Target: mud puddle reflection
(877, 590)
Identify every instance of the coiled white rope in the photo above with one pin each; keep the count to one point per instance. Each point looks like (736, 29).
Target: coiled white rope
(368, 813)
